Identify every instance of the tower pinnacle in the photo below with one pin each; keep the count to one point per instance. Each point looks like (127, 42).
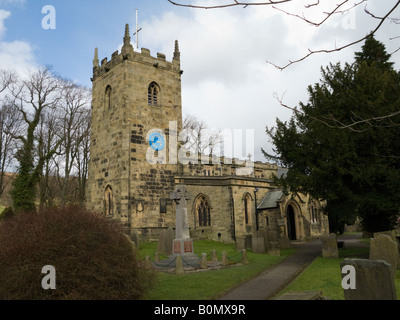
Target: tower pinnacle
(96, 58)
(127, 47)
(177, 54)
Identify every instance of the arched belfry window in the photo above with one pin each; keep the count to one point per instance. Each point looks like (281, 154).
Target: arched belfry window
(108, 98)
(202, 211)
(153, 94)
(108, 200)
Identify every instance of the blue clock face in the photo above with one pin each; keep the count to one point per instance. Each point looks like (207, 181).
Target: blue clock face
(156, 141)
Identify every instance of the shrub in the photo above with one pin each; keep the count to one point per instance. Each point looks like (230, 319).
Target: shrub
(92, 257)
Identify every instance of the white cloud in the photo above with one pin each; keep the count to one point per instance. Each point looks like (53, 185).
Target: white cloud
(226, 81)
(3, 16)
(15, 55)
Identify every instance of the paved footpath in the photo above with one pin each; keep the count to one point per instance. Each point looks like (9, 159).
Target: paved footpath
(271, 281)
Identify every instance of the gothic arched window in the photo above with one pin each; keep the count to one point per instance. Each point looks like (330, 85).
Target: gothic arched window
(203, 211)
(108, 98)
(108, 200)
(153, 94)
(247, 203)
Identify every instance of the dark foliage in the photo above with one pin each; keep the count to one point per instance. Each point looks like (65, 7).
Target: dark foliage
(92, 257)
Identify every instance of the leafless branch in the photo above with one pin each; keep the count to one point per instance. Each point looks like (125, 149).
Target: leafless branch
(227, 5)
(312, 52)
(275, 5)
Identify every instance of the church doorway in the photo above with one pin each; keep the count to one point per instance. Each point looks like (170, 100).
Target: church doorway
(291, 222)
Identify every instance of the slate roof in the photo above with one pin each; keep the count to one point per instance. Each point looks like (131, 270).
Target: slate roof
(270, 200)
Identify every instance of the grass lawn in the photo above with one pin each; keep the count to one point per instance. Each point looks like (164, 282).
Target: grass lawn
(207, 285)
(324, 274)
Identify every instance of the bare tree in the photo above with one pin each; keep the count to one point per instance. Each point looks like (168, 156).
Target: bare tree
(76, 100)
(49, 138)
(198, 137)
(33, 96)
(9, 128)
(309, 5)
(82, 151)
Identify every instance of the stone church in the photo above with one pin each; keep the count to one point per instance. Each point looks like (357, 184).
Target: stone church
(135, 96)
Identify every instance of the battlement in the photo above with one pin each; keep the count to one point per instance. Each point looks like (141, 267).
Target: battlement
(143, 57)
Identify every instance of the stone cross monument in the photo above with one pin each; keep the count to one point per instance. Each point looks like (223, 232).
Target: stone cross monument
(182, 243)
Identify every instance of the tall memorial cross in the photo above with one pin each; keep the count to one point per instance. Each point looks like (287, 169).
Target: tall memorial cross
(182, 243)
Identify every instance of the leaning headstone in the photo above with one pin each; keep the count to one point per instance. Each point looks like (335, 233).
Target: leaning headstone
(133, 245)
(165, 241)
(373, 280)
(329, 246)
(134, 237)
(384, 248)
(273, 249)
(390, 233)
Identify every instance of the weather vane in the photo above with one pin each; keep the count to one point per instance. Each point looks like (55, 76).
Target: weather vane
(137, 32)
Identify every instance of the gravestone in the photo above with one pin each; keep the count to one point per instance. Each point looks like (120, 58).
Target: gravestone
(384, 248)
(373, 280)
(393, 235)
(329, 246)
(273, 249)
(165, 241)
(284, 242)
(390, 233)
(258, 245)
(243, 242)
(133, 245)
(134, 237)
(263, 233)
(273, 235)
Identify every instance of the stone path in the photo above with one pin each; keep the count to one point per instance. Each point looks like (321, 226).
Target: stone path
(272, 281)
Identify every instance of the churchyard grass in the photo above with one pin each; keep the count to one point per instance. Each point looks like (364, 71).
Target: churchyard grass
(324, 274)
(210, 284)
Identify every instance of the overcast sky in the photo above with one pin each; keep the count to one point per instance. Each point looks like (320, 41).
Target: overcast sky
(227, 82)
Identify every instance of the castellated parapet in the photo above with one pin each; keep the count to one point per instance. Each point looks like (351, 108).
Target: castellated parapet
(144, 57)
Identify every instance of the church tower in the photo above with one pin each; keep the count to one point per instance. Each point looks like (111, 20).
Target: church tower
(134, 95)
